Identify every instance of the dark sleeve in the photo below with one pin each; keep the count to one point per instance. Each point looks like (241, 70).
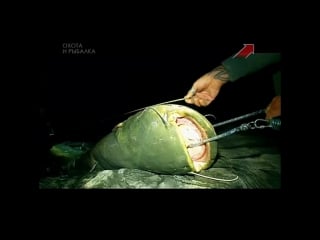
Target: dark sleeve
(240, 67)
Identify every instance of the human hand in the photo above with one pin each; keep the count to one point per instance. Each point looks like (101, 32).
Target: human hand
(274, 108)
(206, 88)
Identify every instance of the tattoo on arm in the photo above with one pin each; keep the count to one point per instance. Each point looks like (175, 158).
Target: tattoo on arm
(220, 73)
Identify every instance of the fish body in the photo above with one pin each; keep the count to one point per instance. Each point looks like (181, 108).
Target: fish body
(156, 139)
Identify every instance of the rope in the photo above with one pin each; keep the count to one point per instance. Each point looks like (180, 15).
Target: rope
(213, 178)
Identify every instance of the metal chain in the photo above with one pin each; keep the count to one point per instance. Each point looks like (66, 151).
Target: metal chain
(256, 124)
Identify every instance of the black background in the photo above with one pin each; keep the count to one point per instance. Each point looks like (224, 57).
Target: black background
(83, 96)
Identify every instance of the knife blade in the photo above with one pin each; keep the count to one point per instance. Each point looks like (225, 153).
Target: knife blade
(171, 101)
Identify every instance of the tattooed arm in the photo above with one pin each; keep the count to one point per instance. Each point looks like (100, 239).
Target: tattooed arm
(240, 67)
(206, 88)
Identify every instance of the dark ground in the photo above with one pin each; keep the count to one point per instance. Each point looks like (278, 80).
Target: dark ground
(83, 96)
(253, 156)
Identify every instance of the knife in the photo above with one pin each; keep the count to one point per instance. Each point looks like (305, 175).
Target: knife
(171, 101)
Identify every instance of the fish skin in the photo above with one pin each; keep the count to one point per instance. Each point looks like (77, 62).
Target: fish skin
(151, 140)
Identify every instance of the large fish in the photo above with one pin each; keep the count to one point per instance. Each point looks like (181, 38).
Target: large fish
(156, 139)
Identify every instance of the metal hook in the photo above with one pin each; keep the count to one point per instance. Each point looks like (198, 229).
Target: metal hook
(210, 115)
(263, 123)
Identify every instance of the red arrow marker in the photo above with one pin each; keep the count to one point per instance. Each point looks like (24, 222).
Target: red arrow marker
(245, 52)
